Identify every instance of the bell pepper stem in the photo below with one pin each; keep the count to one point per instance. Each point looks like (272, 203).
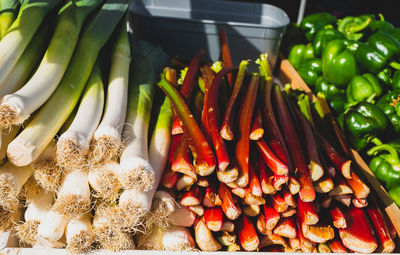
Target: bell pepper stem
(375, 140)
(395, 65)
(386, 147)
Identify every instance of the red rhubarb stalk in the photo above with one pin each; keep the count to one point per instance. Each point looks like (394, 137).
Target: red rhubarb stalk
(205, 159)
(341, 186)
(271, 159)
(360, 202)
(266, 178)
(182, 161)
(227, 123)
(257, 130)
(229, 175)
(208, 77)
(247, 234)
(213, 116)
(306, 245)
(184, 182)
(360, 189)
(386, 243)
(318, 233)
(287, 196)
(228, 205)
(338, 217)
(312, 148)
(197, 209)
(211, 198)
(225, 52)
(187, 86)
(306, 212)
(228, 226)
(271, 239)
(288, 213)
(340, 163)
(251, 210)
(306, 192)
(279, 181)
(243, 144)
(286, 227)
(271, 216)
(213, 218)
(254, 183)
(170, 177)
(294, 185)
(194, 196)
(325, 184)
(358, 236)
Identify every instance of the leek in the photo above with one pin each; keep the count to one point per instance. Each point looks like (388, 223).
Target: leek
(107, 142)
(17, 107)
(40, 131)
(103, 179)
(8, 13)
(136, 171)
(30, 16)
(78, 233)
(73, 144)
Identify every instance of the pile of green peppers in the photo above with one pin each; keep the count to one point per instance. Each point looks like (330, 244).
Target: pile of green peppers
(354, 62)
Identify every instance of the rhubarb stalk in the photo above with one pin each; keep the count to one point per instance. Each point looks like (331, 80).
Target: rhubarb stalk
(271, 159)
(247, 234)
(257, 130)
(225, 52)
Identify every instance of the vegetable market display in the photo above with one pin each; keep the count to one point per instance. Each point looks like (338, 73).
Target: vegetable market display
(352, 62)
(108, 143)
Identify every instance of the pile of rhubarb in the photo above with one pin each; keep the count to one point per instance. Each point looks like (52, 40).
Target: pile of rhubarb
(254, 167)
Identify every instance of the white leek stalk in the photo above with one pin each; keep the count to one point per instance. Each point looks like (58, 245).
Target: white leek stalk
(41, 130)
(107, 141)
(9, 11)
(35, 213)
(51, 229)
(136, 171)
(26, 63)
(79, 233)
(104, 181)
(13, 44)
(46, 171)
(73, 197)
(17, 107)
(178, 239)
(73, 144)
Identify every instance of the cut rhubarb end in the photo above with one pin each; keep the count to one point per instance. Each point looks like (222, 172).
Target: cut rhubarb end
(213, 218)
(182, 161)
(288, 213)
(358, 236)
(192, 197)
(271, 216)
(279, 203)
(294, 186)
(338, 217)
(227, 124)
(261, 226)
(272, 239)
(286, 228)
(306, 212)
(197, 209)
(306, 245)
(318, 233)
(360, 202)
(211, 198)
(386, 243)
(205, 160)
(257, 130)
(266, 178)
(229, 175)
(316, 171)
(245, 116)
(228, 206)
(325, 201)
(169, 178)
(360, 189)
(341, 189)
(271, 159)
(203, 182)
(247, 234)
(288, 197)
(294, 244)
(306, 193)
(279, 181)
(184, 182)
(204, 237)
(254, 182)
(344, 199)
(324, 185)
(251, 210)
(182, 217)
(336, 246)
(228, 226)
(250, 199)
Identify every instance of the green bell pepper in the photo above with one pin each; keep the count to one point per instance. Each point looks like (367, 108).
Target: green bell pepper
(370, 59)
(385, 164)
(362, 87)
(310, 70)
(350, 26)
(327, 89)
(363, 122)
(385, 77)
(395, 33)
(396, 81)
(338, 104)
(299, 53)
(381, 24)
(323, 37)
(315, 22)
(390, 105)
(338, 63)
(385, 44)
(394, 193)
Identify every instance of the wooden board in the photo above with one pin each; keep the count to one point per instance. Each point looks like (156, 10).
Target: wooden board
(287, 74)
